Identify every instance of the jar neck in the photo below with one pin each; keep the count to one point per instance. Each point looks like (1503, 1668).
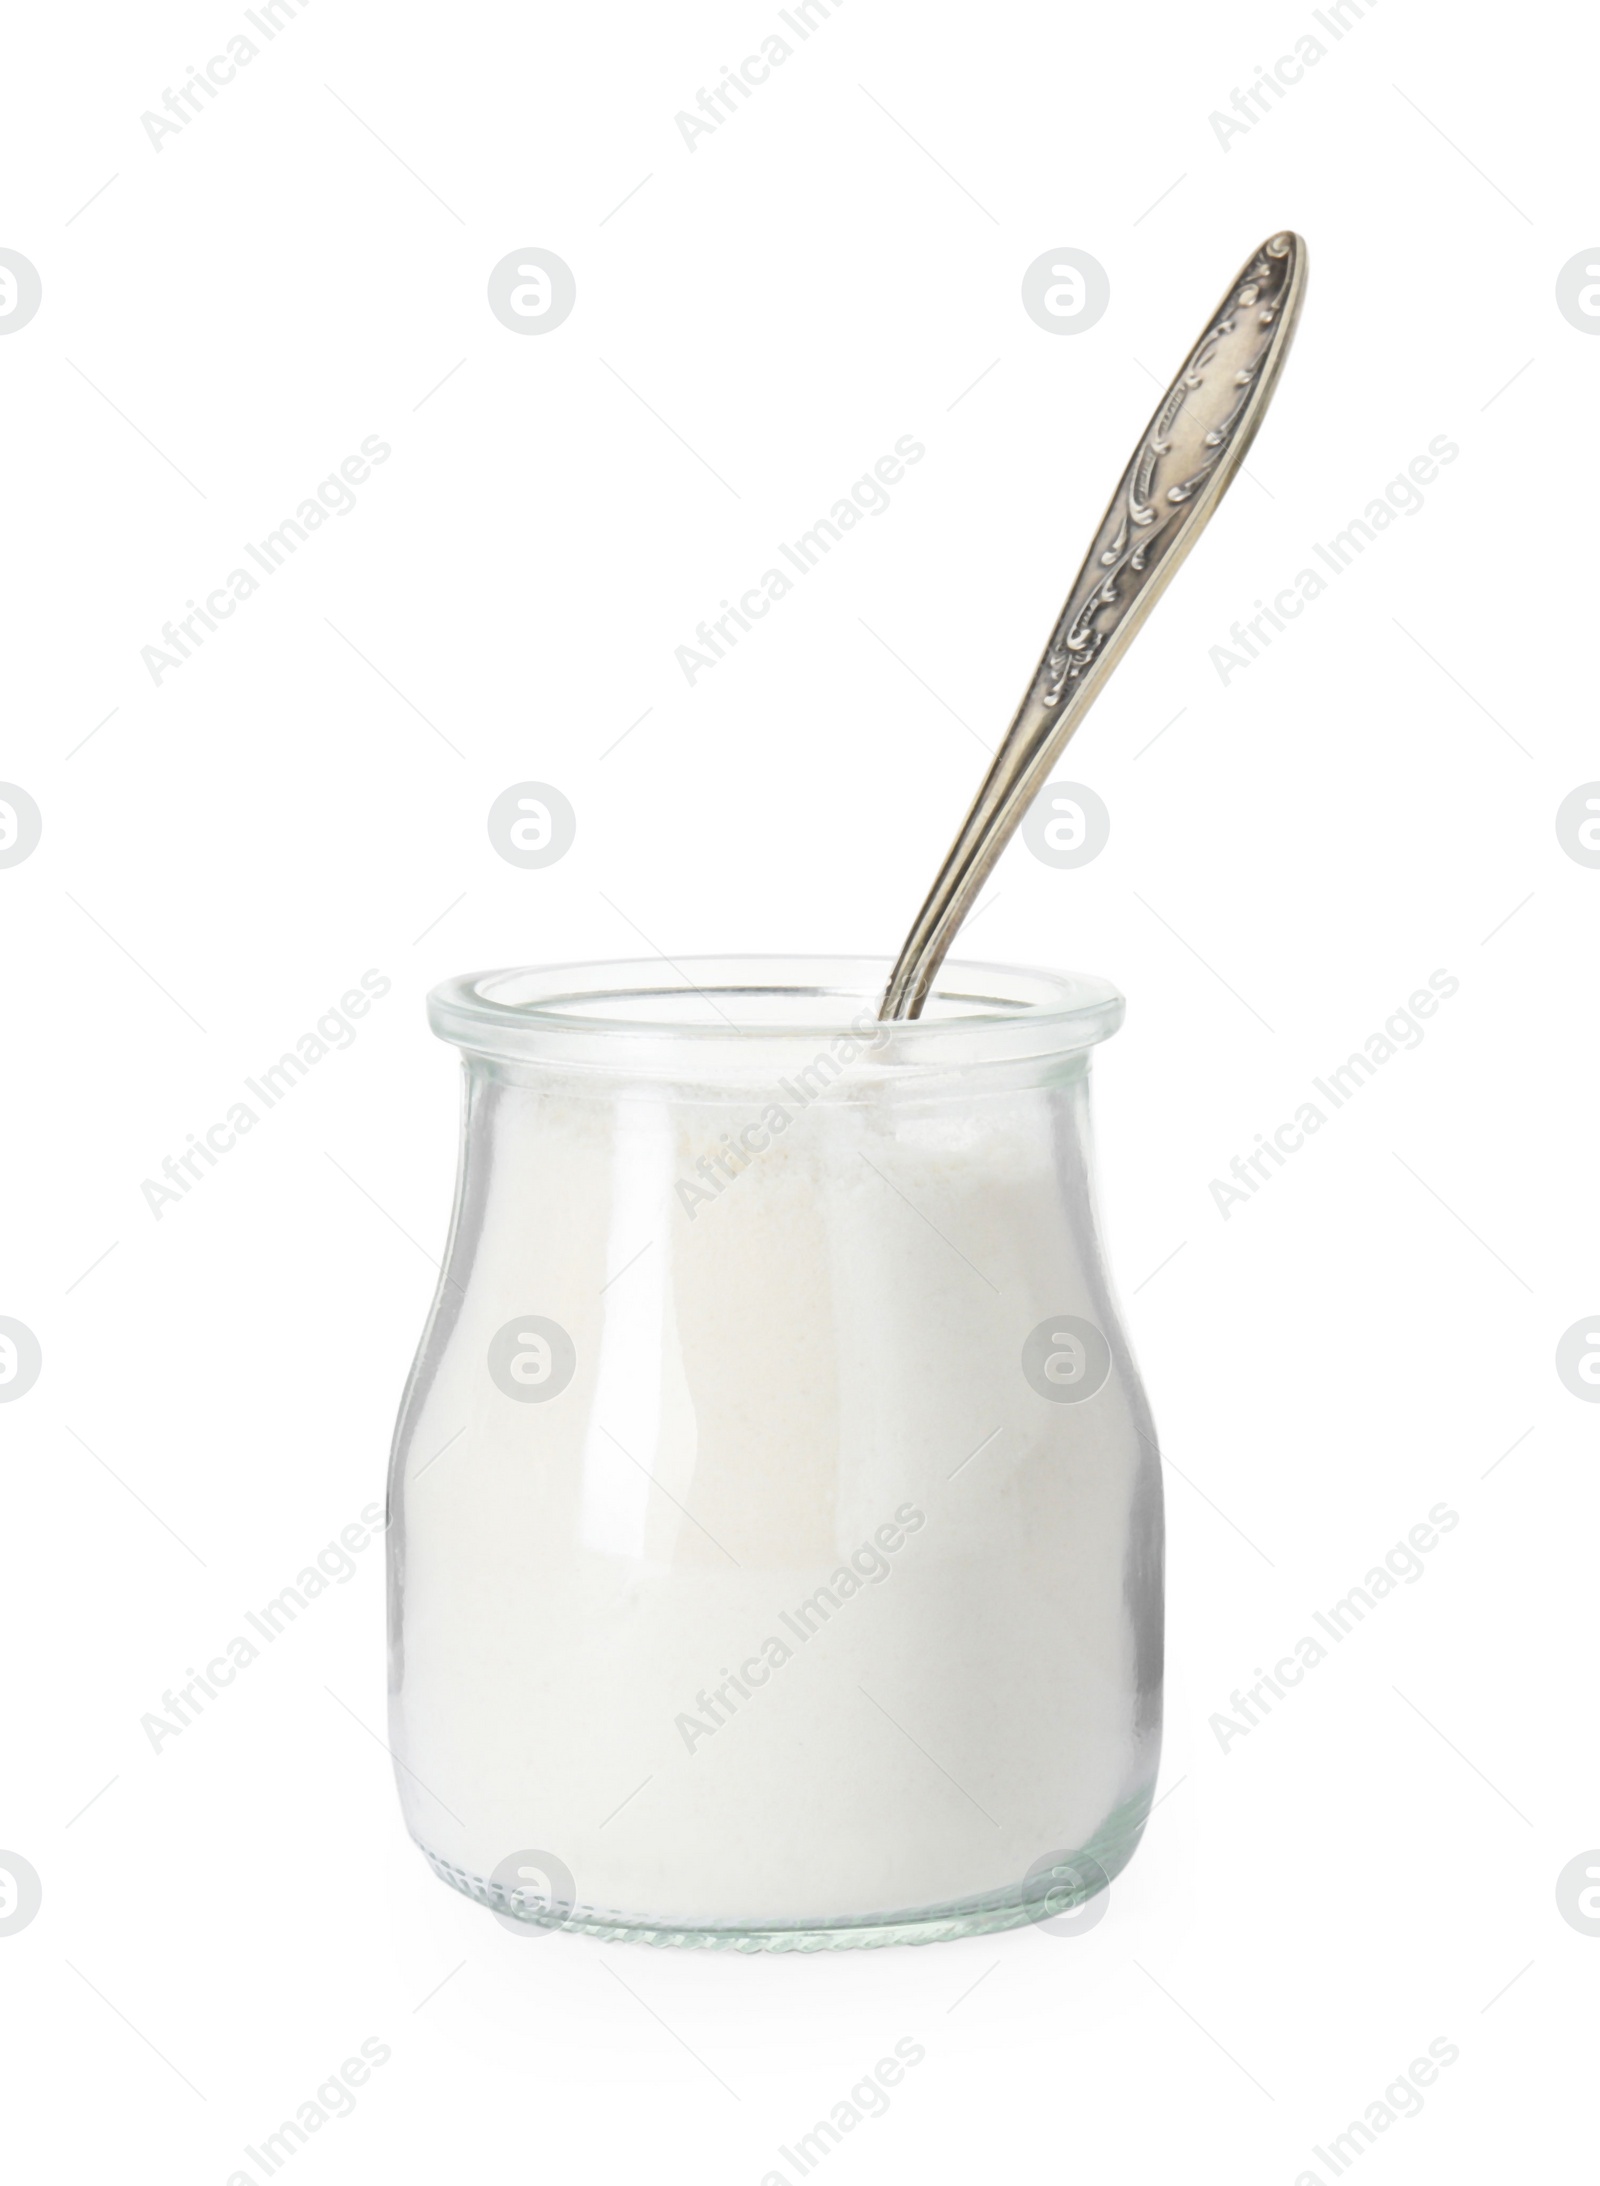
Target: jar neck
(744, 1023)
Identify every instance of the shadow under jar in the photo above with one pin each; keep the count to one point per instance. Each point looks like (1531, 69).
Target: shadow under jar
(775, 1548)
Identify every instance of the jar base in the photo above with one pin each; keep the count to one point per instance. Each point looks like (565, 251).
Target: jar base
(1056, 1892)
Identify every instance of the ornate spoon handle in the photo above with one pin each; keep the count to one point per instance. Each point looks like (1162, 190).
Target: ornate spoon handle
(1184, 464)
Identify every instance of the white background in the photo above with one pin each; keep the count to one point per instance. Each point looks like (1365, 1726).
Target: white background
(838, 265)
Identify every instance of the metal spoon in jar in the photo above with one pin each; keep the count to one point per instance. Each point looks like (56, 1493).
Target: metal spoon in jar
(1182, 467)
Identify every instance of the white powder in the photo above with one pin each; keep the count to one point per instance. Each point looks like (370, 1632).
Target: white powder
(784, 1381)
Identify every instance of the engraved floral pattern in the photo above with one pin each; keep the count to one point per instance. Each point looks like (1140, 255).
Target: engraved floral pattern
(1144, 516)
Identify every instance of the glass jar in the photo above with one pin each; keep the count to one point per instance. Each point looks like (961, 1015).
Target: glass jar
(775, 1514)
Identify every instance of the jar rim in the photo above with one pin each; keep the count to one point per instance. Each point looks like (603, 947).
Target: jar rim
(753, 1010)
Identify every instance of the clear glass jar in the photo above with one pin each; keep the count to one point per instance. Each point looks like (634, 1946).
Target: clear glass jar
(775, 1513)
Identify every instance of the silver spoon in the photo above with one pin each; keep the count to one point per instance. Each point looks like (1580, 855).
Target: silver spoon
(1182, 467)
